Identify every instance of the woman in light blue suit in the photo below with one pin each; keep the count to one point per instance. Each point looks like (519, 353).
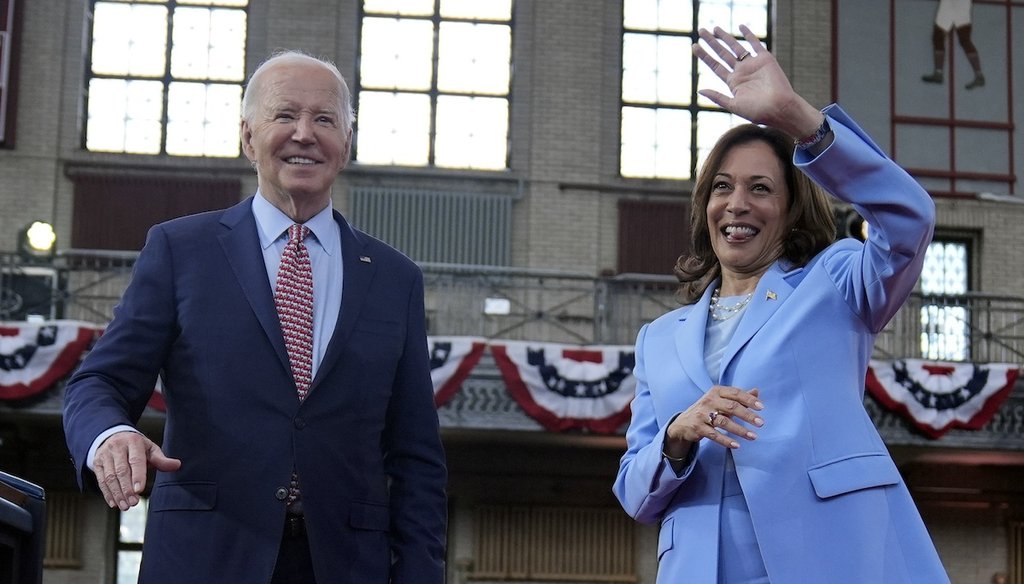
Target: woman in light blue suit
(749, 442)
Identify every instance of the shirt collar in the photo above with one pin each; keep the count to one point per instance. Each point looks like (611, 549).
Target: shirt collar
(272, 224)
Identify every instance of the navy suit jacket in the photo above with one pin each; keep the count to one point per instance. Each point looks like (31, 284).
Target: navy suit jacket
(199, 312)
(826, 501)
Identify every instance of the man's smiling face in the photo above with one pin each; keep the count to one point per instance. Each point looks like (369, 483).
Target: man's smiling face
(297, 139)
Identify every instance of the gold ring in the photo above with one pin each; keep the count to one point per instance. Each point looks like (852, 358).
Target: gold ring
(711, 418)
(741, 57)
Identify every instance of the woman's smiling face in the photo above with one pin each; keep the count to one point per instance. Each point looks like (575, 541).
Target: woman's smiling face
(748, 209)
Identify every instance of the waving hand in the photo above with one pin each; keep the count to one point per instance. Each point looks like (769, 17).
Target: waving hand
(761, 92)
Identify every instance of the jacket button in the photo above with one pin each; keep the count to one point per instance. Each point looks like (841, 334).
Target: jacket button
(281, 493)
(300, 423)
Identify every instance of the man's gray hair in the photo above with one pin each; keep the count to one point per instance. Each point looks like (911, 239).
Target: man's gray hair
(254, 88)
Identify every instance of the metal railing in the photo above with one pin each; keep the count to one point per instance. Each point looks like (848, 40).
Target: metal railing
(978, 327)
(76, 285)
(537, 305)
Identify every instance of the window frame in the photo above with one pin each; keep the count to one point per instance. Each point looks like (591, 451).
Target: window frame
(694, 107)
(165, 80)
(969, 241)
(433, 93)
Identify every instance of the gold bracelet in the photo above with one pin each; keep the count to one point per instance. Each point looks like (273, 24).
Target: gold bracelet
(674, 459)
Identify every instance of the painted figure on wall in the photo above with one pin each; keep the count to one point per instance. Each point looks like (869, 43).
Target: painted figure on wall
(954, 15)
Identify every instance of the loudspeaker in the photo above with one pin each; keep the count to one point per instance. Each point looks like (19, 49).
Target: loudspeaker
(26, 291)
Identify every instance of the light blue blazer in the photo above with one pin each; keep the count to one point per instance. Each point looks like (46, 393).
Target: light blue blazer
(826, 500)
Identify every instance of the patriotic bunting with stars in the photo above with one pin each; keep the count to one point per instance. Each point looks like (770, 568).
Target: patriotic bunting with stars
(569, 387)
(561, 386)
(33, 356)
(940, 396)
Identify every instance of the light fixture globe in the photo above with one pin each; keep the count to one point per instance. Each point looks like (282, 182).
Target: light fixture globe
(37, 241)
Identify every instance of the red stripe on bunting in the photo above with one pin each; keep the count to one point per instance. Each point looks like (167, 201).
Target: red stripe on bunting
(445, 389)
(583, 355)
(156, 401)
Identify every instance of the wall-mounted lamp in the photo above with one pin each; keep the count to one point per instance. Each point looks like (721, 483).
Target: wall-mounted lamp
(37, 242)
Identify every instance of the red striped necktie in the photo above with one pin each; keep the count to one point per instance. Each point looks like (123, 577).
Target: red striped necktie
(294, 300)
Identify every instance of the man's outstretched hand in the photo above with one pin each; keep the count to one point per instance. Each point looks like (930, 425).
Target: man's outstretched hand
(121, 464)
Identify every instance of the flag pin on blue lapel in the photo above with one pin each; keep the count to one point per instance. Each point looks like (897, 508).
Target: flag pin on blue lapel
(770, 295)
(365, 259)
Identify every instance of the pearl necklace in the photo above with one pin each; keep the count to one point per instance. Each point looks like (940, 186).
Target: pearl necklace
(721, 311)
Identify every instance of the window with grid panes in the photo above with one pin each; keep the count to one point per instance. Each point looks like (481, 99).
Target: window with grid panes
(945, 327)
(165, 77)
(131, 529)
(434, 83)
(667, 129)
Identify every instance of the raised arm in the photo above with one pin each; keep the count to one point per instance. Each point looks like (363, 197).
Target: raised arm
(877, 277)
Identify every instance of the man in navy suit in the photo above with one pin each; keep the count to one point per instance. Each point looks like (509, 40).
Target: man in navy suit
(342, 481)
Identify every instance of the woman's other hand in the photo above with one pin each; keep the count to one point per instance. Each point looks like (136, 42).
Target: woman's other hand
(715, 417)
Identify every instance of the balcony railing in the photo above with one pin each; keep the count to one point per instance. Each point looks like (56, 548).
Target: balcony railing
(537, 305)
(551, 306)
(978, 327)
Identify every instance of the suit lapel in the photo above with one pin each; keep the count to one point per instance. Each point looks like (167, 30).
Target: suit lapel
(241, 245)
(689, 339)
(358, 271)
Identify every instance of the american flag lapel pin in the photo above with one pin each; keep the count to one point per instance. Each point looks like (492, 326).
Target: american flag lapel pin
(365, 259)
(770, 295)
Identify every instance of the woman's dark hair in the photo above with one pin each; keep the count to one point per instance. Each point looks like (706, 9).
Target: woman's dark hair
(811, 223)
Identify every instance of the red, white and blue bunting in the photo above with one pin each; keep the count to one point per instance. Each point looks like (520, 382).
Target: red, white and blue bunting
(940, 396)
(451, 360)
(33, 356)
(561, 386)
(565, 387)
